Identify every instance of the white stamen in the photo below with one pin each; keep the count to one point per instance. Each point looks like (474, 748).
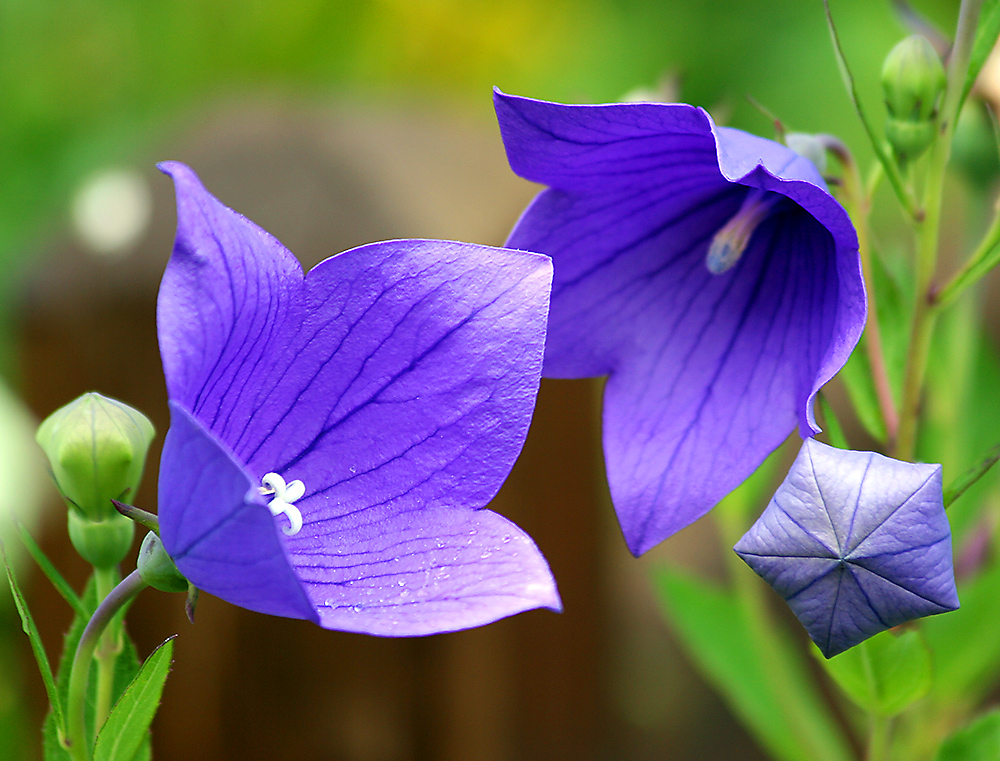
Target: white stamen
(732, 238)
(284, 496)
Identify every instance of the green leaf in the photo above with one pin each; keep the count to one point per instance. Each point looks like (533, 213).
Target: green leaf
(986, 38)
(126, 667)
(965, 644)
(129, 722)
(963, 375)
(28, 624)
(980, 741)
(884, 674)
(891, 170)
(715, 630)
(51, 572)
(834, 431)
(856, 376)
(957, 487)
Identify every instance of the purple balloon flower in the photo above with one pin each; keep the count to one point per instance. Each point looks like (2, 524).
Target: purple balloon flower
(707, 272)
(333, 435)
(856, 543)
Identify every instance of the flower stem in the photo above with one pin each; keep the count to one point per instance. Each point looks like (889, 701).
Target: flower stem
(76, 731)
(857, 202)
(983, 259)
(879, 737)
(108, 648)
(928, 228)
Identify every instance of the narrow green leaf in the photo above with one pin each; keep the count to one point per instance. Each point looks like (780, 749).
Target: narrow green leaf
(891, 171)
(980, 741)
(714, 629)
(28, 624)
(884, 674)
(50, 571)
(986, 38)
(123, 733)
(834, 430)
(959, 485)
(856, 376)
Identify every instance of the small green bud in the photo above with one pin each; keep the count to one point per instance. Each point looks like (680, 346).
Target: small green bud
(157, 569)
(103, 544)
(909, 139)
(913, 80)
(808, 146)
(97, 449)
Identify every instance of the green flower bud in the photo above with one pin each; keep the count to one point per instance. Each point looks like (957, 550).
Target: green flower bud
(913, 80)
(808, 146)
(157, 569)
(97, 449)
(909, 139)
(103, 544)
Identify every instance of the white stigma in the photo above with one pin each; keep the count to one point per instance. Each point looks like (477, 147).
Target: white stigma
(284, 496)
(732, 238)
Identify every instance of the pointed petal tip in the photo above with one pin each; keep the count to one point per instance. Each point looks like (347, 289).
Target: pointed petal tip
(173, 168)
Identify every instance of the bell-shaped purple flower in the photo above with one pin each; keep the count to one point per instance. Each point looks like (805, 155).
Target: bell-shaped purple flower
(707, 272)
(856, 543)
(334, 435)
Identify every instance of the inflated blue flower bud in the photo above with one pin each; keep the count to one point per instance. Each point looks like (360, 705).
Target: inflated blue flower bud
(156, 567)
(97, 449)
(913, 80)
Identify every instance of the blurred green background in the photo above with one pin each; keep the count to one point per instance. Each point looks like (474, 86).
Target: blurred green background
(401, 90)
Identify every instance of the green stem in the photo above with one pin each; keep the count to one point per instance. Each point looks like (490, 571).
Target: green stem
(879, 727)
(108, 648)
(983, 259)
(928, 228)
(76, 730)
(879, 737)
(856, 201)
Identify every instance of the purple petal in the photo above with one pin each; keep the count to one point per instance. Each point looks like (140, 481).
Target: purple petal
(216, 527)
(708, 374)
(856, 543)
(426, 571)
(395, 380)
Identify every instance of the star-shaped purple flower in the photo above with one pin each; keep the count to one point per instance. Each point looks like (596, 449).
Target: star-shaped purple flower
(856, 543)
(707, 272)
(334, 435)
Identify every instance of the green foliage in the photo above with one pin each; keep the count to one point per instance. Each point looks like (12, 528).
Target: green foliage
(963, 374)
(856, 376)
(717, 632)
(126, 668)
(51, 572)
(56, 698)
(986, 37)
(980, 741)
(128, 725)
(965, 644)
(884, 674)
